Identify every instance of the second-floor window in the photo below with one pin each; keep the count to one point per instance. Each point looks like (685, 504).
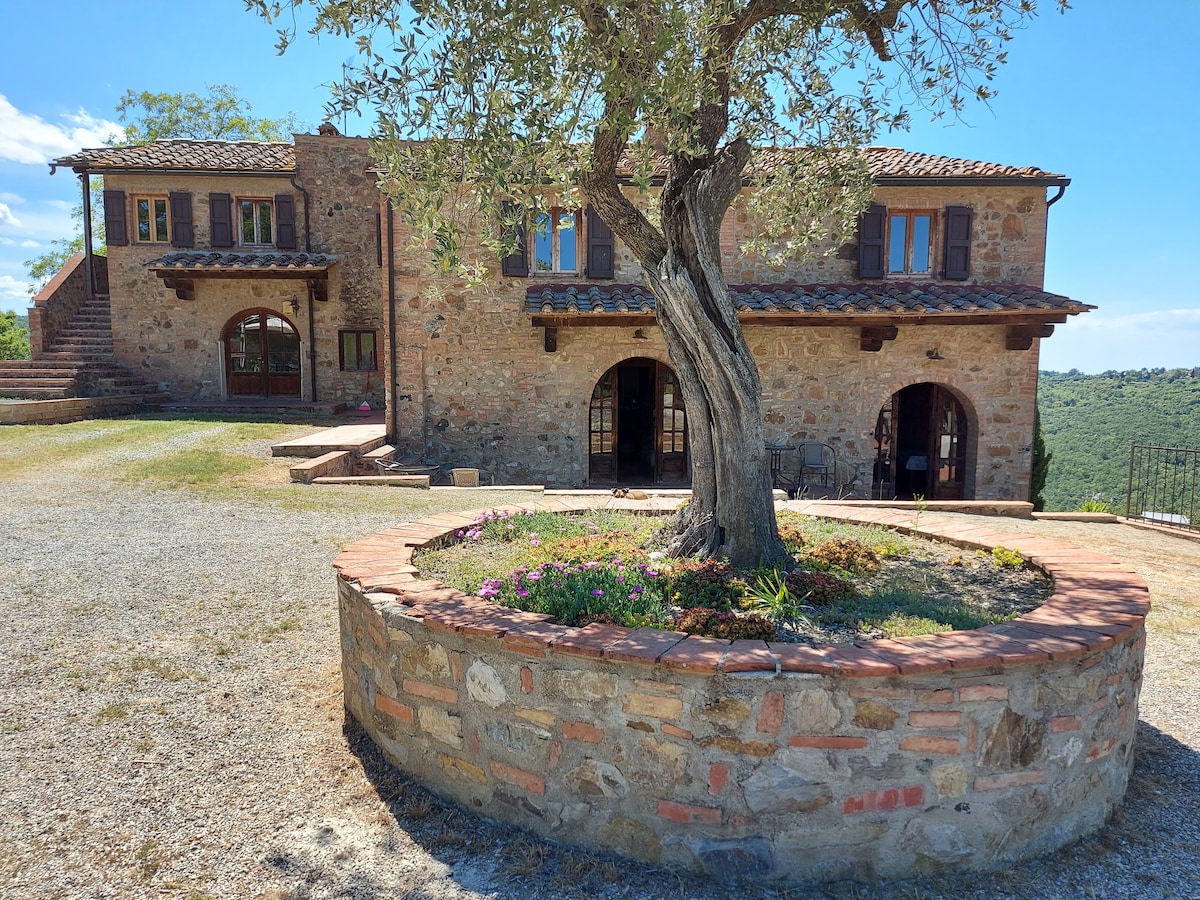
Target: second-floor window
(899, 243)
(556, 241)
(153, 222)
(256, 217)
(910, 243)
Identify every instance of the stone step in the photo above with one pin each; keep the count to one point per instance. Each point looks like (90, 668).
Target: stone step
(18, 393)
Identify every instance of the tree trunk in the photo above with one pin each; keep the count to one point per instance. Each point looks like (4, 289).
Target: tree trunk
(731, 514)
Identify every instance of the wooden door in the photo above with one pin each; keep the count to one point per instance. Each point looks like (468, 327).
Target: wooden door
(262, 356)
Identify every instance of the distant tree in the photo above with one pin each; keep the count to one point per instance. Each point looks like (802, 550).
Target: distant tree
(145, 117)
(14, 338)
(218, 115)
(1041, 465)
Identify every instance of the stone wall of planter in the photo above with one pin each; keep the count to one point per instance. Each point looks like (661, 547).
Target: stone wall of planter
(967, 750)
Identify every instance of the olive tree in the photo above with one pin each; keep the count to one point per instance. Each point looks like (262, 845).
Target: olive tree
(490, 107)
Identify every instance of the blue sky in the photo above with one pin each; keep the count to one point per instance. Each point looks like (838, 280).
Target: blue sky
(1104, 94)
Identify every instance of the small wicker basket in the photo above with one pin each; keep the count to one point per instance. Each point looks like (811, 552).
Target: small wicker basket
(464, 477)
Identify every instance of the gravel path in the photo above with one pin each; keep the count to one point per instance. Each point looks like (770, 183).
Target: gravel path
(171, 721)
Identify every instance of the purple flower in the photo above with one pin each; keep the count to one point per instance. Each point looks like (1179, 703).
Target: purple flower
(535, 576)
(459, 533)
(522, 593)
(620, 578)
(633, 596)
(597, 593)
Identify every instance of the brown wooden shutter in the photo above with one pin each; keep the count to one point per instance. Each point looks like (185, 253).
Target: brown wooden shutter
(285, 222)
(220, 220)
(958, 243)
(516, 265)
(116, 232)
(600, 246)
(182, 234)
(872, 226)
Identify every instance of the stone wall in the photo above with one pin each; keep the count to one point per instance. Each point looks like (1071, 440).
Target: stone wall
(475, 386)
(175, 343)
(968, 750)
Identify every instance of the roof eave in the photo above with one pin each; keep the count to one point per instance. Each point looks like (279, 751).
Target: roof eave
(972, 181)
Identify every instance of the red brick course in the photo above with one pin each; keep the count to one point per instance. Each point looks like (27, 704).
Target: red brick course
(1096, 603)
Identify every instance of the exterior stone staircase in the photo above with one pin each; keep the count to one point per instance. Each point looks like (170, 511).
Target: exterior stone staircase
(79, 363)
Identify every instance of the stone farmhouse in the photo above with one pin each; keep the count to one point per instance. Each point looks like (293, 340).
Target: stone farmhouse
(277, 270)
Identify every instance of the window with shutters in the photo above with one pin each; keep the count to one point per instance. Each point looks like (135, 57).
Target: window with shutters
(901, 243)
(255, 221)
(910, 243)
(556, 242)
(153, 219)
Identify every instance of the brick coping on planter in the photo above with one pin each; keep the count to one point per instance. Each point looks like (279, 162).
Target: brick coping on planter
(794, 763)
(1096, 603)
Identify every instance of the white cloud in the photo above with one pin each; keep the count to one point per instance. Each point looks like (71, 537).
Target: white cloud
(7, 218)
(14, 294)
(26, 138)
(1165, 338)
(1152, 320)
(30, 244)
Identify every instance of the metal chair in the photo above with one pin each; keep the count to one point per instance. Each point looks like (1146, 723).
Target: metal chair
(817, 460)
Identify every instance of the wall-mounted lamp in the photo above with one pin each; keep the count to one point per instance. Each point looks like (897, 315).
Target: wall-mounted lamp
(933, 354)
(639, 334)
(294, 303)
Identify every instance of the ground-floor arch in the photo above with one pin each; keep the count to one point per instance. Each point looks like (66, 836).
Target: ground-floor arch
(637, 426)
(262, 355)
(921, 442)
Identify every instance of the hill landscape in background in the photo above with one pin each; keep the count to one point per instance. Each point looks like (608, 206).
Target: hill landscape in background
(1090, 422)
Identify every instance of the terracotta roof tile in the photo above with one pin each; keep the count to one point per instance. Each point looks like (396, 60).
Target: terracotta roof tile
(175, 154)
(185, 261)
(180, 154)
(890, 298)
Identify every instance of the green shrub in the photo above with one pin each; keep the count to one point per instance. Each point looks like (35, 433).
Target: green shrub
(731, 626)
(628, 595)
(819, 588)
(710, 584)
(847, 554)
(1003, 558)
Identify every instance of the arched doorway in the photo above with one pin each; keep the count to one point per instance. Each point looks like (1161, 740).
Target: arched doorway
(262, 355)
(637, 426)
(921, 445)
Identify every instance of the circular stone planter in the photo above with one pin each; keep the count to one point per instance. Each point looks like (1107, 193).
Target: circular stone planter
(964, 750)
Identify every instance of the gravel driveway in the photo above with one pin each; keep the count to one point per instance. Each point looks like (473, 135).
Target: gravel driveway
(171, 720)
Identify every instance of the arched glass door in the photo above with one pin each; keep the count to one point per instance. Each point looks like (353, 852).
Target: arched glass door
(637, 426)
(262, 356)
(921, 445)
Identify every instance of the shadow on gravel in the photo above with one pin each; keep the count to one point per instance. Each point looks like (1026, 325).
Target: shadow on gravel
(1143, 851)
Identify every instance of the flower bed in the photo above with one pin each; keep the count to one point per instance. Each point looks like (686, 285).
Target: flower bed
(754, 758)
(849, 583)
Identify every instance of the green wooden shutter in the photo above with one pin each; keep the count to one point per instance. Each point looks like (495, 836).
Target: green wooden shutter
(116, 231)
(958, 243)
(182, 234)
(220, 220)
(285, 222)
(872, 227)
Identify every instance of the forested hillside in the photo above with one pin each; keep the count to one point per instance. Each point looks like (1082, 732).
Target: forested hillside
(1090, 421)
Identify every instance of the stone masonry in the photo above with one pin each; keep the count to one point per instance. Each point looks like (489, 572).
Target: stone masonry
(967, 750)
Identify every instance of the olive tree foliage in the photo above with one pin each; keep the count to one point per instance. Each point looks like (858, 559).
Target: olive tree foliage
(145, 117)
(492, 110)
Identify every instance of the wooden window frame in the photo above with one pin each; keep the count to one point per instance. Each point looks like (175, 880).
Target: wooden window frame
(554, 215)
(150, 200)
(910, 215)
(239, 205)
(359, 333)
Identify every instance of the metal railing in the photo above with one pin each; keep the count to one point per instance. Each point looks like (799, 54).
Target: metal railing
(1164, 486)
